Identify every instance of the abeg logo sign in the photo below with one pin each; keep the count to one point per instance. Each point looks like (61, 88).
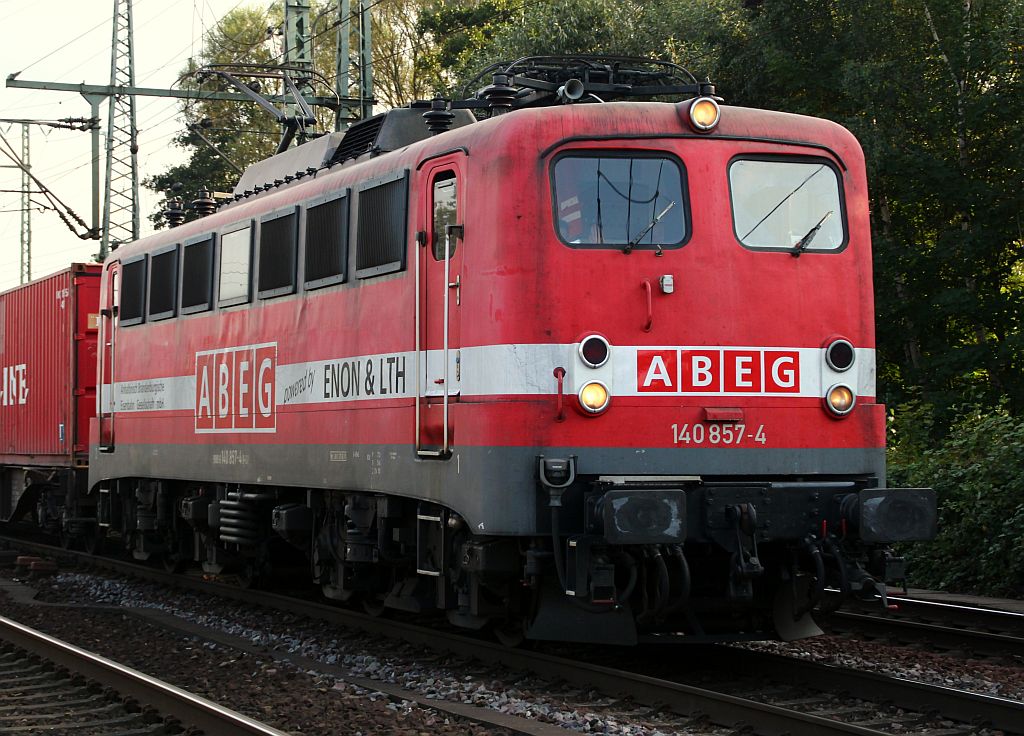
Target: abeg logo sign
(718, 371)
(235, 389)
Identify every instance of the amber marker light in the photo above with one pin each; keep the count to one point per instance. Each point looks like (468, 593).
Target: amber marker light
(594, 397)
(840, 400)
(704, 114)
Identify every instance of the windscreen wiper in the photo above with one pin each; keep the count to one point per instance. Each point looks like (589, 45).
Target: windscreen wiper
(657, 218)
(782, 202)
(801, 245)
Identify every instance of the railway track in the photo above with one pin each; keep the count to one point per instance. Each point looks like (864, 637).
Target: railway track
(785, 696)
(50, 686)
(944, 626)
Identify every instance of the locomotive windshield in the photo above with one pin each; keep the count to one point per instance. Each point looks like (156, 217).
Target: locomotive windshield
(786, 205)
(620, 201)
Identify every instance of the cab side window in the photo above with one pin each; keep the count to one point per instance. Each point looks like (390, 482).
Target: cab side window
(445, 214)
(235, 266)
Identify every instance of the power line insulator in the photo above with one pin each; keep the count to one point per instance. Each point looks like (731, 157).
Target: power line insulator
(175, 212)
(204, 204)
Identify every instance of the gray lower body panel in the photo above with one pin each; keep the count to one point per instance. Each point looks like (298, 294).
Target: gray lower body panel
(493, 488)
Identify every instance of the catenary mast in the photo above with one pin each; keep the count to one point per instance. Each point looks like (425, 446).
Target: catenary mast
(121, 192)
(26, 208)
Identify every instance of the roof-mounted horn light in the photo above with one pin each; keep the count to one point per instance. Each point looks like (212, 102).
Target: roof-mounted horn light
(704, 114)
(571, 91)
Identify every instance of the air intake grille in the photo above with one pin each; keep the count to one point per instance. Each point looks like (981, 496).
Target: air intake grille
(359, 138)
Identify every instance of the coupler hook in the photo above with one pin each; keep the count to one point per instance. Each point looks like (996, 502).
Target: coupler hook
(813, 548)
(744, 521)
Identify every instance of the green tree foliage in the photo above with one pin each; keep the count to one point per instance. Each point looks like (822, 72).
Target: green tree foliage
(978, 474)
(246, 133)
(467, 36)
(933, 90)
(243, 132)
(402, 62)
(454, 32)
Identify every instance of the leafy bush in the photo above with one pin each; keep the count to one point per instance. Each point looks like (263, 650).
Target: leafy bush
(977, 471)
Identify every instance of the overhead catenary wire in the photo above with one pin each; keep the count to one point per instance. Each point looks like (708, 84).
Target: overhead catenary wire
(36, 207)
(334, 25)
(61, 208)
(68, 43)
(156, 112)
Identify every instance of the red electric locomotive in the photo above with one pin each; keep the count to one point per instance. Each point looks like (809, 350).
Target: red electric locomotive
(578, 371)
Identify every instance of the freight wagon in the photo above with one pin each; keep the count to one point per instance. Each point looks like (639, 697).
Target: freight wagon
(48, 332)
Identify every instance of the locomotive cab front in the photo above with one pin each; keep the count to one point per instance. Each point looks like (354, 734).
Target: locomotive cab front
(714, 456)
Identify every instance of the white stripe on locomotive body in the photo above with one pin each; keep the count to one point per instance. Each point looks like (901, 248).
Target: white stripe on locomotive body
(513, 370)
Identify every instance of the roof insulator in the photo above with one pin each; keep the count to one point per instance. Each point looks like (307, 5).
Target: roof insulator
(175, 212)
(204, 204)
(499, 94)
(439, 118)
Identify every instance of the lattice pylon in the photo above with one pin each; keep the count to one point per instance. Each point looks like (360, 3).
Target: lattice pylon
(26, 209)
(121, 192)
(298, 47)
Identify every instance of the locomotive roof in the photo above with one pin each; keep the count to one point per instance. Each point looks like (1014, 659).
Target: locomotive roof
(522, 132)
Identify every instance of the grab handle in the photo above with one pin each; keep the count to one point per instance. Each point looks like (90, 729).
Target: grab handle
(559, 374)
(646, 284)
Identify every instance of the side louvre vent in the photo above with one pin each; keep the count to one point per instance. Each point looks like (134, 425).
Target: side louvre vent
(327, 242)
(278, 244)
(197, 276)
(382, 224)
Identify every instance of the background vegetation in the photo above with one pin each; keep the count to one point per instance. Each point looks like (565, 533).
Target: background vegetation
(934, 90)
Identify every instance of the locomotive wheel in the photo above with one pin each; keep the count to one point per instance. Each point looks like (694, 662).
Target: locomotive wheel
(252, 575)
(174, 563)
(172, 559)
(94, 539)
(374, 605)
(510, 633)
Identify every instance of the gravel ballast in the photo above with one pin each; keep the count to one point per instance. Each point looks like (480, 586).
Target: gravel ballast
(312, 702)
(264, 683)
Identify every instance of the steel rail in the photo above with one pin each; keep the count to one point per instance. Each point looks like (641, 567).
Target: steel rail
(959, 614)
(948, 613)
(189, 709)
(958, 705)
(939, 635)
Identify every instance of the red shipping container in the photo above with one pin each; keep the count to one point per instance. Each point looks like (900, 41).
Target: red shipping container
(48, 334)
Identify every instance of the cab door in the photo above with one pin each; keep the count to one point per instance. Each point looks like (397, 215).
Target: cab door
(108, 340)
(439, 305)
